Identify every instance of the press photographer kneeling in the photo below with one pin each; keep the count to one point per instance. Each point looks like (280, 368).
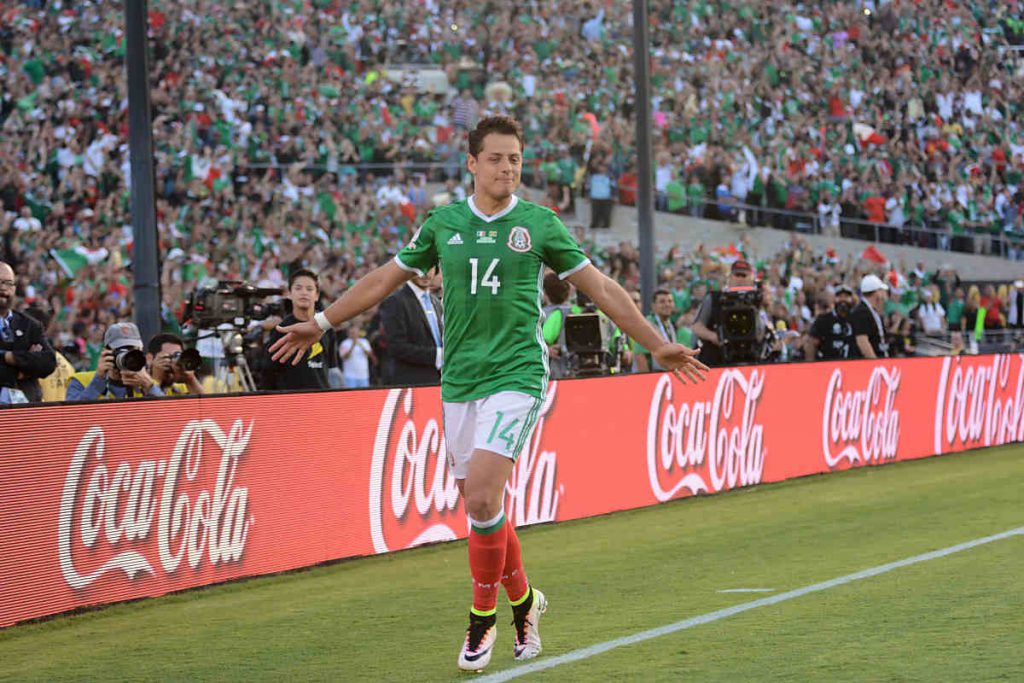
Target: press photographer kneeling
(729, 324)
(172, 366)
(121, 372)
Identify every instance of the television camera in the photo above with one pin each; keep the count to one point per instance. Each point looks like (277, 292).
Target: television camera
(586, 341)
(226, 312)
(743, 340)
(231, 302)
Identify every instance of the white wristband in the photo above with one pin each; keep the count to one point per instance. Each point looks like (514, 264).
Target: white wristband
(323, 322)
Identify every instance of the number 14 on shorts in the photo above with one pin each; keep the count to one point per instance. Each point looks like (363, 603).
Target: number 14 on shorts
(504, 430)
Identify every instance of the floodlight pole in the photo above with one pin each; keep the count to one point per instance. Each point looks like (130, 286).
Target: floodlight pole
(644, 168)
(145, 261)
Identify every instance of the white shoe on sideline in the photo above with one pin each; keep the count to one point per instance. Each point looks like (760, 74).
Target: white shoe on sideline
(527, 632)
(480, 637)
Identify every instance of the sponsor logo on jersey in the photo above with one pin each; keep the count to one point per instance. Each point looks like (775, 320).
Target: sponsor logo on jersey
(519, 239)
(486, 236)
(455, 239)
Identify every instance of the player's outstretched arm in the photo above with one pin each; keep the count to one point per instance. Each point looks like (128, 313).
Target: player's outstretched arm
(611, 298)
(371, 289)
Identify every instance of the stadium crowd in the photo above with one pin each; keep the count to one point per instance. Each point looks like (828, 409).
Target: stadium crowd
(281, 143)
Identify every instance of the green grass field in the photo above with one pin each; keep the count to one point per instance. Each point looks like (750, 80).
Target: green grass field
(402, 617)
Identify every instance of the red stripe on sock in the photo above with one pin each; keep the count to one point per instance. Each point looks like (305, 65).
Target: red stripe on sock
(513, 576)
(486, 560)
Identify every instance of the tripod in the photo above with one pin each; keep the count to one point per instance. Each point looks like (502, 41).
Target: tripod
(237, 363)
(232, 372)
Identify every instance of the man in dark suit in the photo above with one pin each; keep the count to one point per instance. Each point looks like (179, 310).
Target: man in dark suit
(25, 354)
(413, 328)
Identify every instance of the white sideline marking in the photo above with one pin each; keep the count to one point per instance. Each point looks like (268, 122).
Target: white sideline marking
(600, 648)
(747, 590)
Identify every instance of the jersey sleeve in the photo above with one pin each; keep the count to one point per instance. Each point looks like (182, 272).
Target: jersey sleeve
(420, 254)
(560, 251)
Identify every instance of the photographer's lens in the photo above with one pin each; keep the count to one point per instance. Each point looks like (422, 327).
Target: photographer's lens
(132, 360)
(189, 360)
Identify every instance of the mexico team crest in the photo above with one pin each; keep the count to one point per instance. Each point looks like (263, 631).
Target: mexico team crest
(519, 239)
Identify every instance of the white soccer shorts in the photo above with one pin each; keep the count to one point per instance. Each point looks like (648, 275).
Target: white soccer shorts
(501, 423)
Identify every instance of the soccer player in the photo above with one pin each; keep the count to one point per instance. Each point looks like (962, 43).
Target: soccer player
(492, 249)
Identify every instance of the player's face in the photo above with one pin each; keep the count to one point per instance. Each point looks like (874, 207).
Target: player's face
(498, 167)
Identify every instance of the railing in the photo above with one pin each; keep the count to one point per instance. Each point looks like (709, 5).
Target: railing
(1005, 244)
(991, 341)
(361, 166)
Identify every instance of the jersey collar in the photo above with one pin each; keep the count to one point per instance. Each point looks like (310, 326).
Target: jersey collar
(490, 219)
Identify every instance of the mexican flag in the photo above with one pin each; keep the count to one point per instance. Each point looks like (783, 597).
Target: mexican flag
(73, 260)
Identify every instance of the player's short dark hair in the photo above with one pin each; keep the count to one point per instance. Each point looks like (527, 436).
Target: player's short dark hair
(156, 344)
(556, 289)
(303, 272)
(658, 292)
(502, 125)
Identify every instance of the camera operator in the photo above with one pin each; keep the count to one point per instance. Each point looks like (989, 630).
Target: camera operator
(557, 292)
(114, 376)
(866, 318)
(311, 370)
(831, 336)
(25, 354)
(167, 360)
(741, 278)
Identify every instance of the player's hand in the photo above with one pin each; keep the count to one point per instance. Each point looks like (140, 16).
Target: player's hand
(297, 339)
(682, 361)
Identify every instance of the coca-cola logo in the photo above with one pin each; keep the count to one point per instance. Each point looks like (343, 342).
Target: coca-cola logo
(975, 406)
(413, 494)
(861, 425)
(114, 506)
(718, 439)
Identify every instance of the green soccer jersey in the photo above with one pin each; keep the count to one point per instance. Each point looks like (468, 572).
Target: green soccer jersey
(493, 273)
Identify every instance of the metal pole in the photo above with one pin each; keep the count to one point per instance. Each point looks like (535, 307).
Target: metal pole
(145, 261)
(644, 170)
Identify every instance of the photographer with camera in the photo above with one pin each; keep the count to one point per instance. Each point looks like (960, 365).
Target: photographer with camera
(172, 366)
(311, 371)
(25, 354)
(744, 300)
(831, 334)
(121, 372)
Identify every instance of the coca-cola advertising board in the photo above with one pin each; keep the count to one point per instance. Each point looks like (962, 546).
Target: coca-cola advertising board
(105, 502)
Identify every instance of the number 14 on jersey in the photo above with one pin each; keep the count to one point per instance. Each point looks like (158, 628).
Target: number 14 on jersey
(489, 280)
